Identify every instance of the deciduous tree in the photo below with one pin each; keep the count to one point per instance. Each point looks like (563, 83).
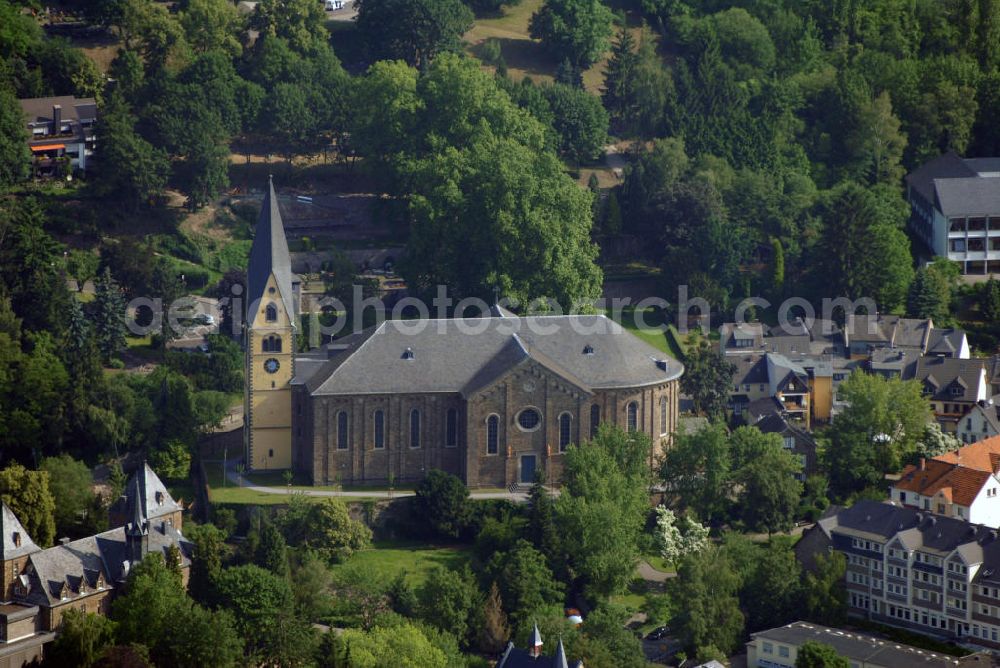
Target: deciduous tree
(813, 654)
(710, 616)
(27, 493)
(15, 158)
(577, 30)
(414, 31)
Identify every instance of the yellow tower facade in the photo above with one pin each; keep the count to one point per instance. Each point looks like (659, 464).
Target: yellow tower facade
(271, 322)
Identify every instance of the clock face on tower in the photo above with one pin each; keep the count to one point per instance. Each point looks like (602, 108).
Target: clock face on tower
(271, 365)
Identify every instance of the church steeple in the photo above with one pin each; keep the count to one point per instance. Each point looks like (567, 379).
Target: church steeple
(271, 323)
(269, 256)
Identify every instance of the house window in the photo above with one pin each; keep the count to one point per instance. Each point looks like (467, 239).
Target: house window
(782, 651)
(379, 429)
(789, 442)
(271, 344)
(492, 435)
(342, 430)
(663, 416)
(632, 416)
(595, 419)
(414, 428)
(451, 428)
(565, 431)
(768, 648)
(271, 313)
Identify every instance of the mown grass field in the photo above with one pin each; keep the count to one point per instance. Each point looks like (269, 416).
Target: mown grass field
(524, 56)
(386, 560)
(652, 333)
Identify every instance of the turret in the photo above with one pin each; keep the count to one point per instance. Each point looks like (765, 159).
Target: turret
(137, 526)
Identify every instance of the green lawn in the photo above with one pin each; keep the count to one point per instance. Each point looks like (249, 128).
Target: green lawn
(651, 334)
(387, 559)
(227, 492)
(659, 563)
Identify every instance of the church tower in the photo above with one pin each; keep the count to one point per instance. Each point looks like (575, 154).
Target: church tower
(270, 324)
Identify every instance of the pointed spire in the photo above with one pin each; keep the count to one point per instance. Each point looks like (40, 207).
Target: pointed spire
(560, 661)
(136, 510)
(536, 643)
(269, 255)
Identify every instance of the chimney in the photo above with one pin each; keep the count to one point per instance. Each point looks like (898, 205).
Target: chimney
(923, 464)
(56, 118)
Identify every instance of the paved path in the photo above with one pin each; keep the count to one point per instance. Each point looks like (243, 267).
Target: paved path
(650, 574)
(614, 158)
(520, 496)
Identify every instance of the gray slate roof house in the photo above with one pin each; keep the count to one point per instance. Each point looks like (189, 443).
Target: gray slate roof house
(155, 498)
(741, 338)
(953, 380)
(865, 332)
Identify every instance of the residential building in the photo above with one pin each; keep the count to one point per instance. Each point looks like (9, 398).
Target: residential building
(778, 648)
(865, 333)
(492, 400)
(955, 204)
(980, 423)
(953, 386)
(794, 438)
(39, 585)
(741, 338)
(768, 376)
(914, 569)
(951, 489)
(62, 132)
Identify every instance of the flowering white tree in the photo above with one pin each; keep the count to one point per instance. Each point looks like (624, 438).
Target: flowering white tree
(678, 537)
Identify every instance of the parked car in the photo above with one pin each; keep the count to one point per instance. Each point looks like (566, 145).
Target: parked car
(204, 319)
(659, 633)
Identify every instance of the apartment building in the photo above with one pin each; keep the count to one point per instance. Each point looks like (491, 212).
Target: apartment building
(779, 647)
(914, 569)
(955, 205)
(62, 132)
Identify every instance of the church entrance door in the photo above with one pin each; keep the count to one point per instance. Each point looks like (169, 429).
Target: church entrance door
(527, 469)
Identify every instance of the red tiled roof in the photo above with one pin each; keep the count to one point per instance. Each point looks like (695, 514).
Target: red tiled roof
(958, 484)
(982, 455)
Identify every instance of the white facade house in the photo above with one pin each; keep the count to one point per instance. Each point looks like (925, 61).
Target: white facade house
(962, 484)
(956, 210)
(980, 423)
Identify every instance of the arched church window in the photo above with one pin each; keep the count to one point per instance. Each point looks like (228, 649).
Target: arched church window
(271, 313)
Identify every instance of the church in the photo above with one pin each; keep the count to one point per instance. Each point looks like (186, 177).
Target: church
(495, 400)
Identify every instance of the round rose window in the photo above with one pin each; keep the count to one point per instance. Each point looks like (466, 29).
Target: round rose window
(529, 419)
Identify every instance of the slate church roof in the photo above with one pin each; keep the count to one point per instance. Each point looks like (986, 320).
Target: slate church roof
(269, 254)
(88, 565)
(16, 541)
(463, 356)
(154, 497)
